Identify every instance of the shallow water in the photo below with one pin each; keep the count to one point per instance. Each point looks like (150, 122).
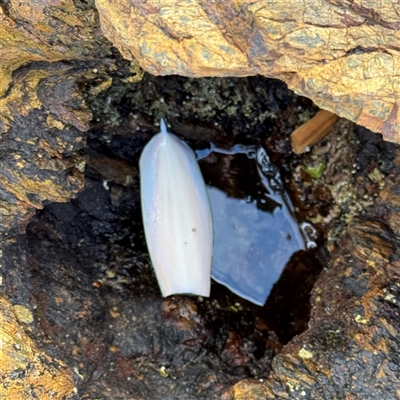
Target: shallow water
(255, 230)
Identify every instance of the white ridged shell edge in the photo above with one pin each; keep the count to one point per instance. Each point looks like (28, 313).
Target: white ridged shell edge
(176, 215)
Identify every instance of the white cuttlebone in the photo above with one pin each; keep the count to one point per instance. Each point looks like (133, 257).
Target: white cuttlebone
(176, 215)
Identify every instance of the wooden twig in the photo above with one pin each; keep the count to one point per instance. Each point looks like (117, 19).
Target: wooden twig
(312, 131)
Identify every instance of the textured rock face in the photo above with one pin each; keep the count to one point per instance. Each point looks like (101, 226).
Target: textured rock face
(355, 314)
(41, 124)
(42, 119)
(25, 371)
(84, 295)
(45, 31)
(58, 277)
(343, 55)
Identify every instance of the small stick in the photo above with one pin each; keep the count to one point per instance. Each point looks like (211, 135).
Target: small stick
(312, 131)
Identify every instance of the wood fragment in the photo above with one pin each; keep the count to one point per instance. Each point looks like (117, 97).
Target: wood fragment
(312, 131)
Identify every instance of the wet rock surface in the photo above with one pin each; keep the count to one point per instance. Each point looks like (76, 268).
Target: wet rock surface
(343, 55)
(42, 159)
(47, 31)
(82, 268)
(351, 347)
(25, 371)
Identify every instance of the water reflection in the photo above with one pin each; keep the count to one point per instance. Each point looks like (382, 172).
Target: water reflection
(255, 231)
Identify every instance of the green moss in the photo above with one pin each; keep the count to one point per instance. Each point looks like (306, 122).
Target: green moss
(315, 170)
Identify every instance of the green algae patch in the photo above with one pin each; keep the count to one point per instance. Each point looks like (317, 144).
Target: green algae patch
(315, 170)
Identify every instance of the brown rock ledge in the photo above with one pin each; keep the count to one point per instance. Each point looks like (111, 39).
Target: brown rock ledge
(343, 55)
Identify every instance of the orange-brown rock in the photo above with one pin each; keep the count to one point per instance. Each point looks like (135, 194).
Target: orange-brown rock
(42, 115)
(45, 31)
(41, 142)
(343, 55)
(26, 372)
(94, 299)
(354, 322)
